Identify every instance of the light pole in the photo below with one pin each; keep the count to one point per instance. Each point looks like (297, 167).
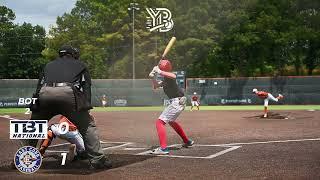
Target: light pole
(133, 7)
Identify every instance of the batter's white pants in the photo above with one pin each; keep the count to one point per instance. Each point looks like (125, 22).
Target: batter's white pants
(172, 111)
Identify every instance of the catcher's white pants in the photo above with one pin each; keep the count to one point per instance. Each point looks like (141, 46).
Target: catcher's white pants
(73, 137)
(194, 103)
(172, 111)
(270, 97)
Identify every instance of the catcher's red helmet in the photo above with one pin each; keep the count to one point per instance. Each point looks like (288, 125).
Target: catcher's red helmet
(165, 65)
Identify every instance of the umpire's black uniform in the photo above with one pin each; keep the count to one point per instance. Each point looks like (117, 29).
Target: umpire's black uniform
(65, 88)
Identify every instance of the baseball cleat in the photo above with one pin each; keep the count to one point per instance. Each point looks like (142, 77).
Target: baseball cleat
(72, 152)
(107, 164)
(280, 96)
(188, 144)
(265, 115)
(160, 151)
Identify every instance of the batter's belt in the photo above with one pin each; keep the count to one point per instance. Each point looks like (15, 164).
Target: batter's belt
(182, 100)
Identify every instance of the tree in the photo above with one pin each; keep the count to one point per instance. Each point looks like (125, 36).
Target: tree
(20, 47)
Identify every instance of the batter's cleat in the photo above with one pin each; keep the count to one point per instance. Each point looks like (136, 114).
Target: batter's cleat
(160, 151)
(188, 144)
(72, 152)
(265, 115)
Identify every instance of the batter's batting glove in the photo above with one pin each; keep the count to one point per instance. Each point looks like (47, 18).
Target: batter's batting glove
(156, 69)
(151, 74)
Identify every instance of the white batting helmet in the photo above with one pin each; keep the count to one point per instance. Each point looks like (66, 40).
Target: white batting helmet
(254, 90)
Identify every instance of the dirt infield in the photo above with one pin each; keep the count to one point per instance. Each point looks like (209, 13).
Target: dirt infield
(229, 145)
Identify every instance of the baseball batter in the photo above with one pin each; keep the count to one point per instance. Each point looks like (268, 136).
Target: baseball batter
(266, 97)
(71, 134)
(194, 101)
(176, 105)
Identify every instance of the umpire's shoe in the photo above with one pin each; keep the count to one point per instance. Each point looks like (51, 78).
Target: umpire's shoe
(107, 164)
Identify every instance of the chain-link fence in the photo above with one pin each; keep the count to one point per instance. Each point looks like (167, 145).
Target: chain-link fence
(216, 91)
(297, 90)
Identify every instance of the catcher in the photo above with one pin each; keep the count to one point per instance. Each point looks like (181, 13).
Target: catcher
(71, 134)
(266, 96)
(177, 102)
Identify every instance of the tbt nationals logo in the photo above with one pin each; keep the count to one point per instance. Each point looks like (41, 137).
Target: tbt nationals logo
(159, 19)
(27, 159)
(28, 129)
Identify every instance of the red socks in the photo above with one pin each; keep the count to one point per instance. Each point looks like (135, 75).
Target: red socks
(161, 133)
(179, 130)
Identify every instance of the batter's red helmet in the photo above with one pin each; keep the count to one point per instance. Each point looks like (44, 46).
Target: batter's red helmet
(165, 65)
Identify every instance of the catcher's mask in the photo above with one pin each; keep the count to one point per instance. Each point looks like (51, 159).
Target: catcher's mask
(165, 65)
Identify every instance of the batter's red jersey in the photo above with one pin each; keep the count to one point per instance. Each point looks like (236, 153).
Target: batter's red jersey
(262, 94)
(194, 98)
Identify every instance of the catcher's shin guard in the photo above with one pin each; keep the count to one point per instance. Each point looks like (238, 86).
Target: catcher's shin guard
(46, 142)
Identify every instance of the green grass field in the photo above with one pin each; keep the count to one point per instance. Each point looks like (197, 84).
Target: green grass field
(206, 108)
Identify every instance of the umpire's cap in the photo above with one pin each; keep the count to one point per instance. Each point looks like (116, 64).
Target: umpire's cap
(66, 49)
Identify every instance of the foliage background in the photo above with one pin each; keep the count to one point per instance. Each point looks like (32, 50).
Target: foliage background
(215, 38)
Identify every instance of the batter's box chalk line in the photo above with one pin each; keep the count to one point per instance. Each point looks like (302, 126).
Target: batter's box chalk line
(121, 144)
(229, 149)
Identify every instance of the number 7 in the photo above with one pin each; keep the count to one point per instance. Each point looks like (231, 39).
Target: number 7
(64, 157)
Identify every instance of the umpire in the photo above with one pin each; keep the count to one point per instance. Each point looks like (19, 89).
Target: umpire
(64, 87)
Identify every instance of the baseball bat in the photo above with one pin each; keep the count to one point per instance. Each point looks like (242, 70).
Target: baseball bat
(169, 46)
(165, 52)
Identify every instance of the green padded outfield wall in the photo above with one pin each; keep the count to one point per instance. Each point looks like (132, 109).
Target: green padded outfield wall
(220, 91)
(119, 92)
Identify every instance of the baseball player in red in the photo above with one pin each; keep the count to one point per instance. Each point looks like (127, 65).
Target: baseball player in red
(194, 101)
(266, 97)
(71, 134)
(177, 102)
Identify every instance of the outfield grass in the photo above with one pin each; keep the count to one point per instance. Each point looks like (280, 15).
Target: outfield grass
(207, 108)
